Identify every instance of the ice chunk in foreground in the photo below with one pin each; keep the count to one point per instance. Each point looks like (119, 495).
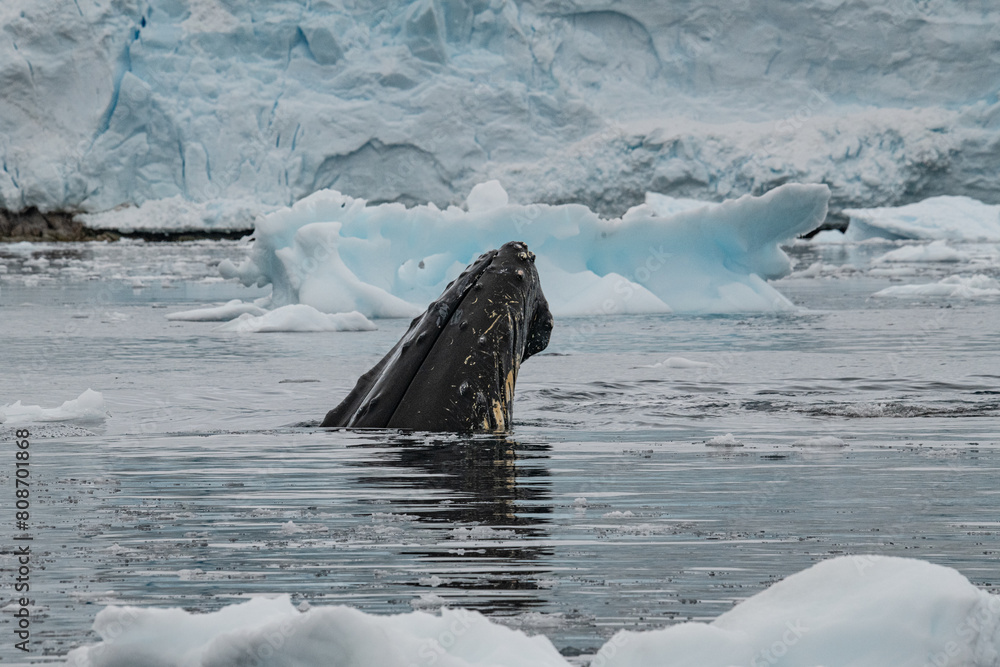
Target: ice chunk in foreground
(273, 632)
(955, 287)
(953, 218)
(338, 254)
(297, 317)
(863, 611)
(89, 406)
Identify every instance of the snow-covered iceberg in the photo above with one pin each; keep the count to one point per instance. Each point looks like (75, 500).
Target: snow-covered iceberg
(340, 254)
(863, 611)
(945, 217)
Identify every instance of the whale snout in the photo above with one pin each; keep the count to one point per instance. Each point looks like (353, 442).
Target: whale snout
(456, 366)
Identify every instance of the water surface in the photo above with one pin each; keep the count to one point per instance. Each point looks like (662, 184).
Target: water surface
(612, 504)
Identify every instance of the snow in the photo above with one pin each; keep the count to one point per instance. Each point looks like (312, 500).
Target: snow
(584, 100)
(340, 254)
(866, 611)
(87, 407)
(944, 217)
(953, 287)
(937, 251)
(297, 318)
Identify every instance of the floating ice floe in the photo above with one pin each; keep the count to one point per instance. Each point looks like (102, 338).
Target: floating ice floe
(946, 217)
(863, 611)
(297, 318)
(338, 254)
(223, 313)
(955, 287)
(936, 251)
(680, 362)
(87, 407)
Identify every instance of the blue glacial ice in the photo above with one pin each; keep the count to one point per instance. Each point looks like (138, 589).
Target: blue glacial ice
(110, 103)
(339, 254)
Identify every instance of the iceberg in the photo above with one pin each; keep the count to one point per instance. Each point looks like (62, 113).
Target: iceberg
(936, 218)
(864, 611)
(339, 254)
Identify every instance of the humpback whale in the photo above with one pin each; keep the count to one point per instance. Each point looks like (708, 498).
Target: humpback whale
(456, 366)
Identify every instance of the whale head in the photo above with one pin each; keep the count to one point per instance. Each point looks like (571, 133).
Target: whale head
(456, 366)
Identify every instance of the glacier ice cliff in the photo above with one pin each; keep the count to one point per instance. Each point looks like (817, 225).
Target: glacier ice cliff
(111, 102)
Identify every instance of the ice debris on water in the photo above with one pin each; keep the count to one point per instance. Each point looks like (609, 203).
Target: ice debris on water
(956, 287)
(88, 407)
(726, 440)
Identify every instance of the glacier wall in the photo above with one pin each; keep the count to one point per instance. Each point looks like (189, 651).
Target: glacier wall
(110, 102)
